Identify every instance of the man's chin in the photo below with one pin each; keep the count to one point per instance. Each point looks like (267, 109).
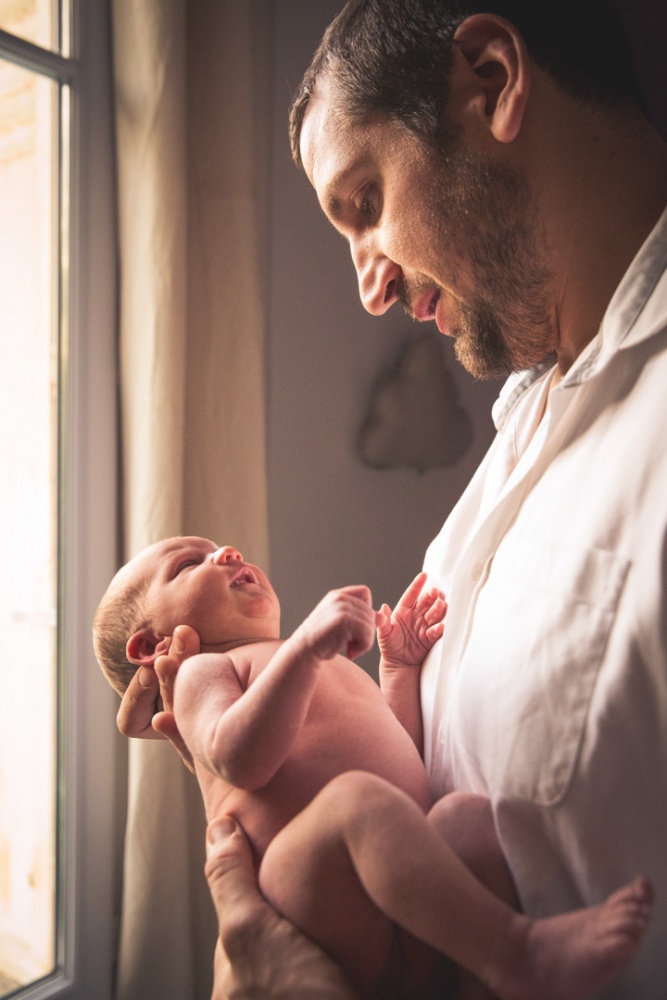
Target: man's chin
(482, 366)
(489, 357)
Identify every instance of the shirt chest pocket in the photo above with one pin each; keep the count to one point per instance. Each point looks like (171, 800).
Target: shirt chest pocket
(541, 621)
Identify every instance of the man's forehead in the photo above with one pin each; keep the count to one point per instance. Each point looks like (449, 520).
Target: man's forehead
(333, 149)
(317, 129)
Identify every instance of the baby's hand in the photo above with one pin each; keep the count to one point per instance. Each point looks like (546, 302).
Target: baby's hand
(406, 635)
(343, 621)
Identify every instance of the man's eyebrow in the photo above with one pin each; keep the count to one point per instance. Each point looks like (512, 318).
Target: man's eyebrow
(333, 208)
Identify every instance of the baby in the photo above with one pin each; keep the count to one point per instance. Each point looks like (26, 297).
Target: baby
(322, 770)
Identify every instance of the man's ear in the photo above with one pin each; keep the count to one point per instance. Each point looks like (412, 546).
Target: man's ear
(144, 647)
(491, 66)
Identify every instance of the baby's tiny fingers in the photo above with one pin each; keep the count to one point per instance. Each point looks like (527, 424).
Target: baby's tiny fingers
(413, 593)
(436, 612)
(434, 632)
(428, 598)
(383, 620)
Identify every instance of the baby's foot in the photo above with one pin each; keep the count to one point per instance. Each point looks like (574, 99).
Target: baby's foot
(572, 956)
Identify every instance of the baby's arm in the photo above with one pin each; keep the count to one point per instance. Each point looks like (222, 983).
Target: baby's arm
(245, 736)
(405, 636)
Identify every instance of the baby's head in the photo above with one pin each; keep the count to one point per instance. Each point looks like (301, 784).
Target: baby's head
(181, 581)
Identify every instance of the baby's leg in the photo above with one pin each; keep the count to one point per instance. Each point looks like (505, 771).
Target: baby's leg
(368, 827)
(465, 821)
(308, 874)
(597, 941)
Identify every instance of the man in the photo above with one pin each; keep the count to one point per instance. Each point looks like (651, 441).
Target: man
(494, 172)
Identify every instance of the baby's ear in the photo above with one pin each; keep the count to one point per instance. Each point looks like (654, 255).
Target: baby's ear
(144, 647)
(162, 647)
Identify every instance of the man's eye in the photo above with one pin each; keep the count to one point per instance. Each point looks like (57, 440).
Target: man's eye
(367, 202)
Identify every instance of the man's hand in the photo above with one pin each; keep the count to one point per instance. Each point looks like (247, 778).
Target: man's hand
(147, 709)
(184, 643)
(407, 634)
(135, 715)
(260, 955)
(343, 621)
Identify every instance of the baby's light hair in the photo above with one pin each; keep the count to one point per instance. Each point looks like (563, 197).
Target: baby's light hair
(119, 615)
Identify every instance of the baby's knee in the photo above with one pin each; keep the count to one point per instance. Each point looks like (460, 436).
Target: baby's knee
(465, 821)
(462, 813)
(350, 800)
(353, 789)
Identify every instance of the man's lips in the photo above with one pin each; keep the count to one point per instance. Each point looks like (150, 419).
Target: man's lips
(424, 308)
(440, 319)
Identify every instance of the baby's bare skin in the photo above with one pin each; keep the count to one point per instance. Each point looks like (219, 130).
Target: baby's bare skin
(348, 726)
(302, 749)
(306, 790)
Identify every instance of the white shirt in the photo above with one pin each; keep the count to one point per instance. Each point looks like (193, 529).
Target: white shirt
(548, 692)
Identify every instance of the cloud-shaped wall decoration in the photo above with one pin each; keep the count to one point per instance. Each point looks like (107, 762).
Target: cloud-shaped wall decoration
(414, 418)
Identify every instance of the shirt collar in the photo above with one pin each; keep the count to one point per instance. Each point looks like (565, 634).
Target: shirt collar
(638, 309)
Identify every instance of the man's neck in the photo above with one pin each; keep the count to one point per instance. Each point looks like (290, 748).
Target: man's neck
(606, 187)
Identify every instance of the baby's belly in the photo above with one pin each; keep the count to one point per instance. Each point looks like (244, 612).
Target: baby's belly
(330, 743)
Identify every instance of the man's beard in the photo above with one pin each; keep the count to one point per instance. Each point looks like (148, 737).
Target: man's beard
(484, 211)
(490, 349)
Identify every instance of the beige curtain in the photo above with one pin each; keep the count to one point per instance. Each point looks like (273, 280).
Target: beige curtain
(192, 136)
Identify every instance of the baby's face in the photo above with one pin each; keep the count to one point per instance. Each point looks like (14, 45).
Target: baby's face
(194, 582)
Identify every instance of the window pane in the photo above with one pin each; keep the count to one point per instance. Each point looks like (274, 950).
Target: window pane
(28, 434)
(34, 20)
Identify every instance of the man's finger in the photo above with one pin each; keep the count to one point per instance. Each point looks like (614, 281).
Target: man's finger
(139, 704)
(269, 957)
(185, 642)
(233, 882)
(164, 723)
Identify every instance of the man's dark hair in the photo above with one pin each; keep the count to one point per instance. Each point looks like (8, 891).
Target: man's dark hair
(390, 58)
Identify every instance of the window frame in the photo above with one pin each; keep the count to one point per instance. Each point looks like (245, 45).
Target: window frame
(92, 787)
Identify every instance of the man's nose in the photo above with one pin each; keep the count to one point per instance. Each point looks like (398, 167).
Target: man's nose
(379, 278)
(226, 554)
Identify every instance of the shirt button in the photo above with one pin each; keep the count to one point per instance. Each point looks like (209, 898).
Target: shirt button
(477, 571)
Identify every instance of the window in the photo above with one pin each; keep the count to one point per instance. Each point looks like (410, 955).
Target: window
(59, 758)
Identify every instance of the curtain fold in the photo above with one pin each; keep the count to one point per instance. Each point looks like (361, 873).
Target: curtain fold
(192, 100)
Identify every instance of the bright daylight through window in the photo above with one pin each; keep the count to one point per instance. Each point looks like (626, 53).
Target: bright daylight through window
(32, 151)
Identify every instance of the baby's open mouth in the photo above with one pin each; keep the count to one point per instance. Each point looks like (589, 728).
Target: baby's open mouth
(245, 576)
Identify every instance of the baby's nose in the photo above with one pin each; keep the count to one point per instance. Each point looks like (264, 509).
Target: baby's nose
(226, 554)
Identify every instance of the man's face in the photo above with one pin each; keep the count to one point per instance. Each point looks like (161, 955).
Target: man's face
(450, 235)
(192, 581)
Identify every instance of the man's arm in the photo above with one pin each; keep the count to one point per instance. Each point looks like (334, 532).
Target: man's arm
(405, 635)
